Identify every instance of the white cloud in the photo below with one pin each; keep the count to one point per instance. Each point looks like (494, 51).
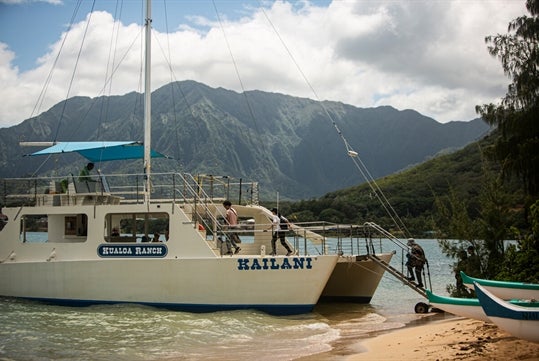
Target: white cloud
(424, 55)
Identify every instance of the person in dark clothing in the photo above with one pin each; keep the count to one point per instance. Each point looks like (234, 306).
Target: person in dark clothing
(280, 226)
(86, 180)
(416, 262)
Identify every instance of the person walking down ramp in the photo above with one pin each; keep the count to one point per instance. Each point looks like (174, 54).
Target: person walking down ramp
(280, 226)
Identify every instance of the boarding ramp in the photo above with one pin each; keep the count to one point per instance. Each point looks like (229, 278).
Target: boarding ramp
(372, 231)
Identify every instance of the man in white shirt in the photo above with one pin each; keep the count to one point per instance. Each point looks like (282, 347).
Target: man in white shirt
(280, 226)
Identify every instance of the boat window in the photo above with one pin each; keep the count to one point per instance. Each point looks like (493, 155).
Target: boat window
(40, 228)
(136, 227)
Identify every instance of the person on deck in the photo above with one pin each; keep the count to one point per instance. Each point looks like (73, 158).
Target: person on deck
(86, 179)
(232, 238)
(416, 262)
(84, 175)
(280, 226)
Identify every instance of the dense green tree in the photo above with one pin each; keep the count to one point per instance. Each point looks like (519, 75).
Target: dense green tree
(517, 147)
(487, 233)
(520, 262)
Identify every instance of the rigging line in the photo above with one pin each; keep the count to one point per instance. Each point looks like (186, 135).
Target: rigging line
(176, 125)
(244, 93)
(380, 195)
(41, 97)
(111, 60)
(250, 108)
(108, 81)
(346, 144)
(41, 165)
(353, 154)
(64, 105)
(103, 89)
(175, 80)
(176, 85)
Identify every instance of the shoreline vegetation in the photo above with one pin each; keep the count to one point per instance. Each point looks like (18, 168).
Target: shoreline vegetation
(438, 337)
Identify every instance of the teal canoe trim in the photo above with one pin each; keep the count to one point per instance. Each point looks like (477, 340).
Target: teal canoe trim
(505, 284)
(434, 298)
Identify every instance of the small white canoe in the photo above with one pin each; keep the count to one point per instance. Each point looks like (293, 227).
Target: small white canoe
(521, 322)
(503, 289)
(467, 307)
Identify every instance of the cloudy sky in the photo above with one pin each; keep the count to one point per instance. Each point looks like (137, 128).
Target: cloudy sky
(411, 54)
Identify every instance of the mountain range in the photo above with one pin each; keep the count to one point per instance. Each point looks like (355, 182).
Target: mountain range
(294, 147)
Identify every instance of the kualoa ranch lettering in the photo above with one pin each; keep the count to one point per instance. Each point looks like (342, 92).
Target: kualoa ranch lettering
(158, 251)
(256, 264)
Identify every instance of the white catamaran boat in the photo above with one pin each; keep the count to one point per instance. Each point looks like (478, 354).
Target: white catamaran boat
(83, 261)
(67, 240)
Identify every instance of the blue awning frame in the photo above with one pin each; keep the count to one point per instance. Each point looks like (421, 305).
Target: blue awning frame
(101, 151)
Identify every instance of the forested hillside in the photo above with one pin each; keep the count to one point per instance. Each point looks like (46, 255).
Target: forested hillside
(411, 193)
(288, 144)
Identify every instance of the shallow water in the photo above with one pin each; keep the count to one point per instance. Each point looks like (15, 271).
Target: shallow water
(34, 331)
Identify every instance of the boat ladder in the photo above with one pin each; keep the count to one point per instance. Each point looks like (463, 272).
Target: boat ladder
(398, 274)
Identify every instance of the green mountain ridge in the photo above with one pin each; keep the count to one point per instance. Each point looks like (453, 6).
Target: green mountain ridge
(287, 144)
(411, 193)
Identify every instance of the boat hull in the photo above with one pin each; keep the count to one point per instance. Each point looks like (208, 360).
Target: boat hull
(504, 290)
(354, 279)
(188, 272)
(275, 285)
(464, 307)
(467, 307)
(521, 322)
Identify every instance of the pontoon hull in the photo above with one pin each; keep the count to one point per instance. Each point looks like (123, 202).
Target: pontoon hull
(354, 279)
(185, 273)
(185, 284)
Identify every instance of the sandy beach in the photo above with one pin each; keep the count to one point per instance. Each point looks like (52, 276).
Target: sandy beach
(436, 339)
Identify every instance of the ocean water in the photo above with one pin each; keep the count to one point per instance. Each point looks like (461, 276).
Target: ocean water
(34, 331)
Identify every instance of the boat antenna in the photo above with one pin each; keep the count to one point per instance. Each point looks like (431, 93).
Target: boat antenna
(147, 102)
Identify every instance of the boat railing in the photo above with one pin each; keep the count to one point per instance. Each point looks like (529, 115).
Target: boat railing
(125, 188)
(366, 240)
(200, 201)
(401, 255)
(331, 238)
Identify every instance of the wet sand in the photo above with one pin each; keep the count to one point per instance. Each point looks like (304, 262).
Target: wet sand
(437, 339)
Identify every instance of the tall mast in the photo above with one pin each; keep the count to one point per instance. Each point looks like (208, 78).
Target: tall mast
(147, 101)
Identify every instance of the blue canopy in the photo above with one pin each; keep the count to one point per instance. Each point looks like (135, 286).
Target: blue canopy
(101, 151)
